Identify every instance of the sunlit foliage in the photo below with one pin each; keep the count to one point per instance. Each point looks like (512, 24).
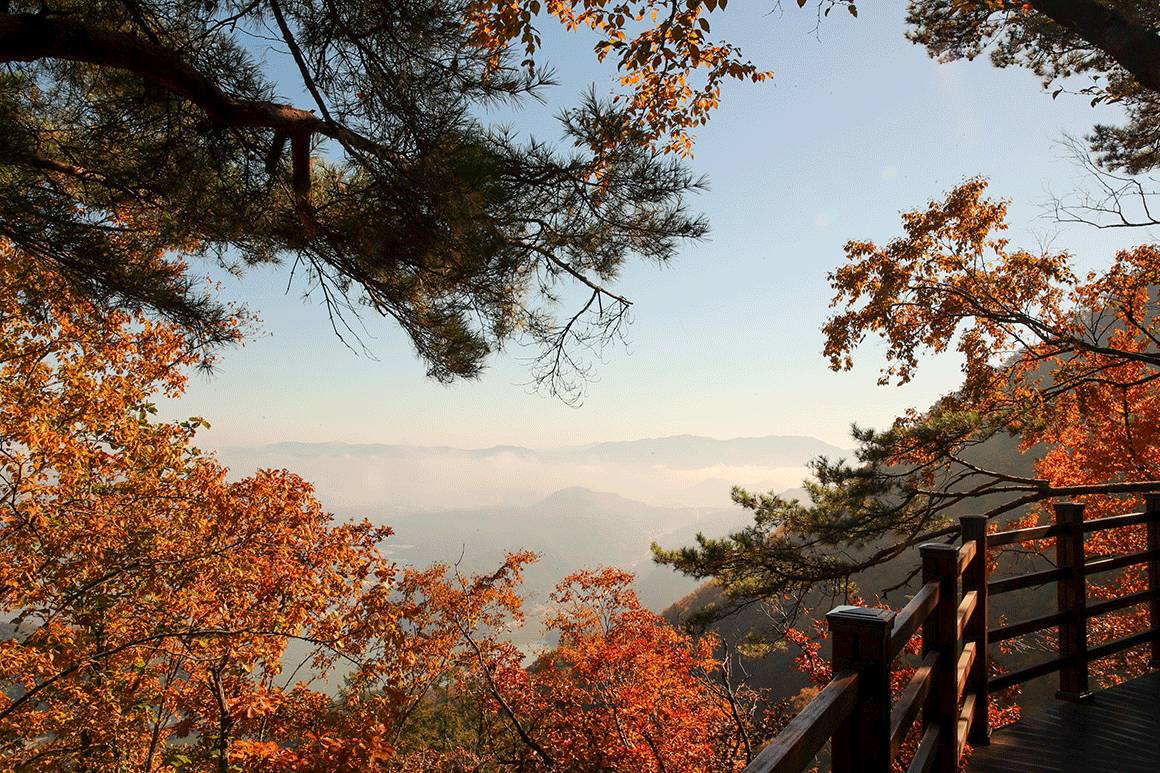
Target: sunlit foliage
(161, 616)
(1063, 364)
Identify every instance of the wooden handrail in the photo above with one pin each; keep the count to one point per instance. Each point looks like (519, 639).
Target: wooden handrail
(1115, 521)
(1119, 562)
(808, 732)
(1022, 675)
(912, 616)
(1029, 580)
(923, 760)
(1055, 664)
(951, 686)
(910, 701)
(966, 555)
(1119, 645)
(1121, 602)
(1012, 536)
(966, 610)
(963, 668)
(966, 717)
(1024, 627)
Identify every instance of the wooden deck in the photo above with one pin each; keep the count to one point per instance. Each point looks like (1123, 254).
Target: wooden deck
(865, 725)
(1117, 732)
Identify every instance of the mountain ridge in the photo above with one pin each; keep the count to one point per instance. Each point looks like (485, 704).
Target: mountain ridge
(515, 448)
(675, 470)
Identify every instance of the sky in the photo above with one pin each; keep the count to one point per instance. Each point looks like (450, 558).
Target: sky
(857, 126)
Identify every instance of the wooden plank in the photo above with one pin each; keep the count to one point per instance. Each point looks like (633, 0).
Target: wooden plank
(965, 718)
(1114, 522)
(1022, 535)
(911, 700)
(966, 609)
(923, 759)
(913, 615)
(1025, 581)
(1111, 605)
(1119, 645)
(1024, 627)
(1004, 681)
(966, 659)
(795, 746)
(1118, 562)
(1118, 732)
(966, 555)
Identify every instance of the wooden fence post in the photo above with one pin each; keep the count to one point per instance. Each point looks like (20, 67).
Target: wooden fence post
(1152, 507)
(940, 633)
(860, 638)
(974, 529)
(1071, 594)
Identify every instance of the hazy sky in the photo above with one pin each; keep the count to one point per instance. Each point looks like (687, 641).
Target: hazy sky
(857, 125)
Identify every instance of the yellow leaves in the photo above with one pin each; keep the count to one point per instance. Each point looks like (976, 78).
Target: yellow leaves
(659, 58)
(1067, 363)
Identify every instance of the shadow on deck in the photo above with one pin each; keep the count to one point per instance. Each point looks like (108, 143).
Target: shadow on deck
(1117, 732)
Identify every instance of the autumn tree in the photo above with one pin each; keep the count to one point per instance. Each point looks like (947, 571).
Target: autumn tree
(624, 690)
(1063, 364)
(161, 616)
(148, 596)
(149, 601)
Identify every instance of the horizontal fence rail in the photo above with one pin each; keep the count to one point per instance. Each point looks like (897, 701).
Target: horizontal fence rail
(809, 731)
(949, 692)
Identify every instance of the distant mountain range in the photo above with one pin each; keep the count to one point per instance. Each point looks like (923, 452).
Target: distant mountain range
(676, 451)
(683, 470)
(577, 506)
(571, 529)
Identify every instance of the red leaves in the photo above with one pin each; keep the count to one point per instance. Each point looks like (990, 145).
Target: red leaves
(625, 690)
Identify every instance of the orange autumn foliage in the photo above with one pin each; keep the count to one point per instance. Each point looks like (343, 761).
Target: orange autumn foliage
(1056, 358)
(151, 598)
(161, 616)
(670, 71)
(624, 690)
(1069, 364)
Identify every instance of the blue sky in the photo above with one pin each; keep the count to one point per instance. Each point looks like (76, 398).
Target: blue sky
(856, 126)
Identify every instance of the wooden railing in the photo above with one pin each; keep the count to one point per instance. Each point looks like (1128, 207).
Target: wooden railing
(951, 686)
